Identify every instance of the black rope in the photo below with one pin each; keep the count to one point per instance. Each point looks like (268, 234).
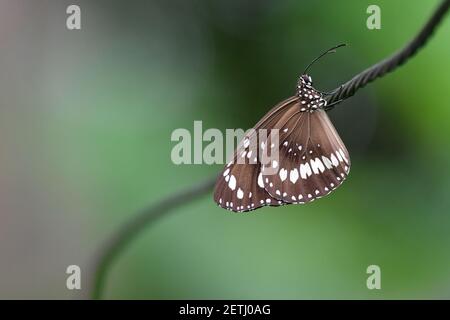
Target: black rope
(389, 64)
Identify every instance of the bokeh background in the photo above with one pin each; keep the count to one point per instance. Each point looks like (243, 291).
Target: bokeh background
(85, 124)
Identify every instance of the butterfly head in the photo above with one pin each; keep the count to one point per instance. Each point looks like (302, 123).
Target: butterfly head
(305, 80)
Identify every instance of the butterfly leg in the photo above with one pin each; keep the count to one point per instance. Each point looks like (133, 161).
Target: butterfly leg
(331, 92)
(330, 106)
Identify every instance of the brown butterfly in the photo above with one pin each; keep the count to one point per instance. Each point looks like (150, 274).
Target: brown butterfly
(311, 159)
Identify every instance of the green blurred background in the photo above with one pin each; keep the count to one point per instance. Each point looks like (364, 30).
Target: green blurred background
(85, 123)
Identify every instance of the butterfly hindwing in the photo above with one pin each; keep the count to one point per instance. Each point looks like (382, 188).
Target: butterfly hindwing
(313, 160)
(240, 186)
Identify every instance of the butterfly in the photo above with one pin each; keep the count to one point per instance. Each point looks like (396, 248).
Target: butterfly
(300, 157)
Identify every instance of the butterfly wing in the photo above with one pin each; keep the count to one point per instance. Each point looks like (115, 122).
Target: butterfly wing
(313, 160)
(240, 187)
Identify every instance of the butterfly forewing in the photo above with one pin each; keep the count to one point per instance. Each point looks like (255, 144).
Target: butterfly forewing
(313, 160)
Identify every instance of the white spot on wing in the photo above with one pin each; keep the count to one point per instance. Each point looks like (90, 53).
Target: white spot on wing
(283, 174)
(317, 165)
(305, 170)
(293, 175)
(327, 162)
(334, 161)
(339, 156)
(260, 181)
(232, 183)
(343, 156)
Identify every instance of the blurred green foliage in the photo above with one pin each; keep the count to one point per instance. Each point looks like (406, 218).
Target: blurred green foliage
(89, 116)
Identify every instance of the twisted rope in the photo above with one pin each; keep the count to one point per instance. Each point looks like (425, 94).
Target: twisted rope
(391, 63)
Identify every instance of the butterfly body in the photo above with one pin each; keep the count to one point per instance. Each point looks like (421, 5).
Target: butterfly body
(310, 98)
(311, 158)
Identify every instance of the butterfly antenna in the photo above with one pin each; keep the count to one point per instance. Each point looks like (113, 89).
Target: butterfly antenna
(331, 50)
